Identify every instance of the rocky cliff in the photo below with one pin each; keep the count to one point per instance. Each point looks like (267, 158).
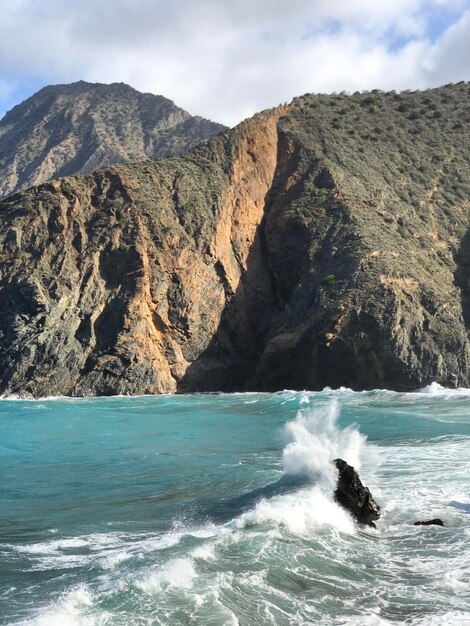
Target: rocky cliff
(77, 128)
(321, 243)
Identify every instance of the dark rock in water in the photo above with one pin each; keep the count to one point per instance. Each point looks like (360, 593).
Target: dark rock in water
(430, 522)
(352, 495)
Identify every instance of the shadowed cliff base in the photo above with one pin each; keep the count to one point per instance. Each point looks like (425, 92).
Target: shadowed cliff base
(319, 244)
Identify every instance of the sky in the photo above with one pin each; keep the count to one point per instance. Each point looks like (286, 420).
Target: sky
(227, 59)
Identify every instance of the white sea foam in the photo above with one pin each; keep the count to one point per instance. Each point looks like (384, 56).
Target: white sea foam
(363, 620)
(15, 397)
(204, 553)
(451, 618)
(317, 441)
(345, 394)
(435, 389)
(300, 512)
(110, 561)
(176, 573)
(107, 550)
(54, 546)
(72, 609)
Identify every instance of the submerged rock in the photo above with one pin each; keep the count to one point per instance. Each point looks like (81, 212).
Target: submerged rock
(352, 495)
(430, 522)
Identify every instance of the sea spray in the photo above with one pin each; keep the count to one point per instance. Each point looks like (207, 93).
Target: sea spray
(176, 573)
(71, 609)
(317, 441)
(301, 512)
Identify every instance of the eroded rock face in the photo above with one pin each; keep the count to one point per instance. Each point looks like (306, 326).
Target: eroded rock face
(297, 250)
(117, 282)
(353, 496)
(76, 128)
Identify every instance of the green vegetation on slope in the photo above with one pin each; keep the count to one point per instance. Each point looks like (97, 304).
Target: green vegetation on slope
(323, 243)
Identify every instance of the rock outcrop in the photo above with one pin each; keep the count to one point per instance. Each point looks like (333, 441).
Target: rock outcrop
(430, 522)
(77, 128)
(351, 494)
(321, 243)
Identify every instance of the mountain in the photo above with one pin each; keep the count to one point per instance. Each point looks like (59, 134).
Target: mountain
(322, 243)
(77, 128)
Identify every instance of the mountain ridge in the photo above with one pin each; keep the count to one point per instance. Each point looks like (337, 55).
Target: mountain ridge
(76, 128)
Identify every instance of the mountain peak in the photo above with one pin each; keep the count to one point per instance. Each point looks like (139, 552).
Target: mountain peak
(77, 127)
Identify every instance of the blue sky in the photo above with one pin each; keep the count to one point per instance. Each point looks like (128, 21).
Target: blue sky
(227, 59)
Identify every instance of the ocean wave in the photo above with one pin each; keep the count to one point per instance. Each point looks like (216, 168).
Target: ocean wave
(72, 609)
(104, 549)
(292, 557)
(450, 618)
(315, 441)
(300, 512)
(178, 573)
(363, 620)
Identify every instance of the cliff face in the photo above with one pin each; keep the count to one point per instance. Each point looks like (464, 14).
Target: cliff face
(323, 243)
(77, 128)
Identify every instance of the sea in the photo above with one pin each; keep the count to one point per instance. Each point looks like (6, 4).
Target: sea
(218, 509)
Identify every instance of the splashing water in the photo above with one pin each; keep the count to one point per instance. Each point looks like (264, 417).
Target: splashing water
(317, 441)
(111, 507)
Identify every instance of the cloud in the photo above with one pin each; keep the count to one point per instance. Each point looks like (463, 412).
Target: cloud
(226, 59)
(449, 60)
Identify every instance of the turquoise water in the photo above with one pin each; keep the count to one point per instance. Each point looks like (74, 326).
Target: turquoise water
(218, 510)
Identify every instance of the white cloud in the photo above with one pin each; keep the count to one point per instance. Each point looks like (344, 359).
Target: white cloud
(449, 60)
(226, 59)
